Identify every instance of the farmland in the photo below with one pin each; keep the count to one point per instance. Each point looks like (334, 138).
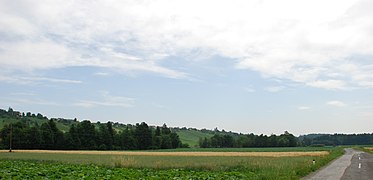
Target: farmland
(145, 164)
(369, 149)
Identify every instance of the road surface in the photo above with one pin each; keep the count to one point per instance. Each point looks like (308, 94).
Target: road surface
(361, 167)
(347, 167)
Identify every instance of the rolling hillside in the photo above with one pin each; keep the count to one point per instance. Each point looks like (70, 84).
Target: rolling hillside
(188, 136)
(192, 136)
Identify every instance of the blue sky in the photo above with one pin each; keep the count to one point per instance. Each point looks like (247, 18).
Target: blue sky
(261, 66)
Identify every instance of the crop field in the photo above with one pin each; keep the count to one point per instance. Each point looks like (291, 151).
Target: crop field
(187, 154)
(369, 149)
(163, 165)
(275, 149)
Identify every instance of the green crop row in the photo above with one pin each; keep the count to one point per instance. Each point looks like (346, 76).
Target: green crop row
(43, 170)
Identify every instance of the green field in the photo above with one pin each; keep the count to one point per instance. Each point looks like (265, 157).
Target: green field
(365, 148)
(191, 137)
(36, 170)
(368, 148)
(31, 165)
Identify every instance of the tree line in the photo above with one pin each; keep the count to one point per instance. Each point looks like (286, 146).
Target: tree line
(84, 136)
(248, 140)
(336, 139)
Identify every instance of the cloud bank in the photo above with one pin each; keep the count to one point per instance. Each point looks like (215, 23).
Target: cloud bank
(330, 49)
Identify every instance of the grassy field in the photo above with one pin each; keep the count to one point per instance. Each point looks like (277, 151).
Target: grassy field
(366, 148)
(115, 165)
(192, 137)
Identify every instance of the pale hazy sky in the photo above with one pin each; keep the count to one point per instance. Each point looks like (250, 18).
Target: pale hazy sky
(261, 66)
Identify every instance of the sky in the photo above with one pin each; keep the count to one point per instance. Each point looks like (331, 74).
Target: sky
(258, 66)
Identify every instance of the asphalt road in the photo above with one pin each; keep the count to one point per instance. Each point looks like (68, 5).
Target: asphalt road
(347, 167)
(361, 167)
(335, 170)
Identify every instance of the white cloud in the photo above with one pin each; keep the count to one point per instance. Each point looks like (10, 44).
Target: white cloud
(303, 108)
(286, 39)
(101, 74)
(54, 80)
(274, 89)
(336, 103)
(328, 84)
(107, 100)
(35, 79)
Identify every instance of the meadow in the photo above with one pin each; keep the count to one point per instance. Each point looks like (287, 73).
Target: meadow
(113, 164)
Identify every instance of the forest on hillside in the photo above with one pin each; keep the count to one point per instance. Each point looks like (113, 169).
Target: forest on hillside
(34, 131)
(249, 140)
(336, 139)
(82, 135)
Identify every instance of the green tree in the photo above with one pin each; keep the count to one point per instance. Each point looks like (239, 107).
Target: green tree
(165, 130)
(111, 133)
(33, 137)
(48, 139)
(127, 139)
(87, 135)
(72, 138)
(166, 142)
(143, 136)
(175, 141)
(52, 137)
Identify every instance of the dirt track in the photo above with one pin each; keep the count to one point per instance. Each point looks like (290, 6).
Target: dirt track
(144, 153)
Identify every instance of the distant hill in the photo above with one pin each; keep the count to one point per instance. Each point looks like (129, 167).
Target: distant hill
(336, 139)
(191, 136)
(62, 124)
(188, 136)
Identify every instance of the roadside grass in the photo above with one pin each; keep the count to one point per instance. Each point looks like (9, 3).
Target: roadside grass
(368, 149)
(365, 148)
(220, 166)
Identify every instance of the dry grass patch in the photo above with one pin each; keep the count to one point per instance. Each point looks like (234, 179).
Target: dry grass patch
(205, 154)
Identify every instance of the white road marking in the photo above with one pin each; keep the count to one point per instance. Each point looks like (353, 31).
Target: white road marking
(359, 165)
(359, 157)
